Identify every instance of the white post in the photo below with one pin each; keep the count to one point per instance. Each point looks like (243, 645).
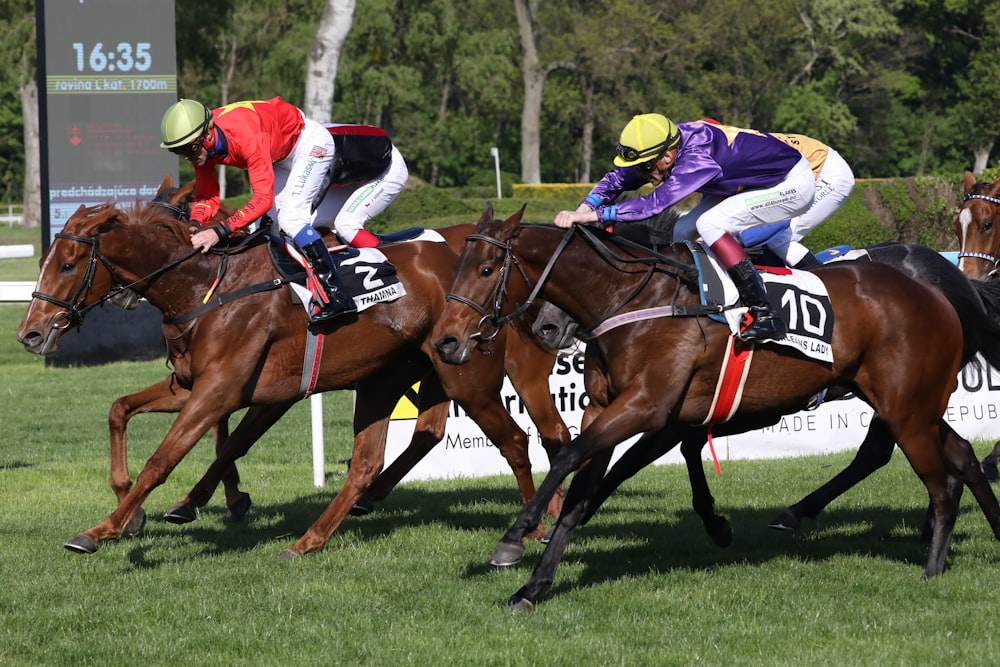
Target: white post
(495, 152)
(319, 459)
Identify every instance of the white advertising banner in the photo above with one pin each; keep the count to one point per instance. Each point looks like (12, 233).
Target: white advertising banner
(835, 426)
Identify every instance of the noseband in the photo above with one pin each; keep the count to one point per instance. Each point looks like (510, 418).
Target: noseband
(982, 255)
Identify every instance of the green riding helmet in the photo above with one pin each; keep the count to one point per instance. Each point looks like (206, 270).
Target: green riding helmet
(184, 122)
(645, 138)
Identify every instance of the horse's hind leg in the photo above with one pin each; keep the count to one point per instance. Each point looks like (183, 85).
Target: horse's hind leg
(256, 422)
(962, 459)
(874, 453)
(717, 527)
(989, 464)
(428, 432)
(377, 396)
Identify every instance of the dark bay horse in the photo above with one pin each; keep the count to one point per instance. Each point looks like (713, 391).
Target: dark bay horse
(897, 343)
(968, 298)
(250, 352)
(526, 362)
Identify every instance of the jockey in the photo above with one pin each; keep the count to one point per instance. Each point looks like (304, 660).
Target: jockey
(746, 179)
(290, 161)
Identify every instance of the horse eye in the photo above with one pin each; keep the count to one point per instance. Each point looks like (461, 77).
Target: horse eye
(486, 272)
(988, 225)
(67, 267)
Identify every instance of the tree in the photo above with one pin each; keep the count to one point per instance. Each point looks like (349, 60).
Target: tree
(18, 66)
(324, 56)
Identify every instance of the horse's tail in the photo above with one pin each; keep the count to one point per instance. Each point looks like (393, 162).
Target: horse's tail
(980, 321)
(976, 303)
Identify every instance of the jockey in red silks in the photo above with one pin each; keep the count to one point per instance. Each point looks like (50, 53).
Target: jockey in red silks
(746, 178)
(291, 162)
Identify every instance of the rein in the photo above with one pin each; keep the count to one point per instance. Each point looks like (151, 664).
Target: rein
(75, 308)
(982, 255)
(490, 323)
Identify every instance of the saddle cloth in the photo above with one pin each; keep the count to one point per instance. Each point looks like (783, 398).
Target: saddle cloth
(800, 297)
(366, 273)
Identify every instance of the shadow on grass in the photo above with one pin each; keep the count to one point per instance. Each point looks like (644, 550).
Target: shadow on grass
(619, 542)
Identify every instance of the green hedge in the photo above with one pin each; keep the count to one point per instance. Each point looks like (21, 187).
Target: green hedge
(910, 210)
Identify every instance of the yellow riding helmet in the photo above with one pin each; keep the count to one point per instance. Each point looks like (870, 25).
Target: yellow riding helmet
(644, 138)
(184, 122)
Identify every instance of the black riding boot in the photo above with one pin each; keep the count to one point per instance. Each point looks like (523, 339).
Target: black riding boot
(808, 262)
(335, 300)
(765, 324)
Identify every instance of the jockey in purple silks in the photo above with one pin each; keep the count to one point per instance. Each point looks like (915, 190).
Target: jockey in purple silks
(746, 178)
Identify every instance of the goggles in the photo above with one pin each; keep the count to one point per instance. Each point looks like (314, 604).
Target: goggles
(632, 154)
(188, 150)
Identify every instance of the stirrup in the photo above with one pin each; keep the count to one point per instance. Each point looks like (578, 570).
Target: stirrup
(763, 327)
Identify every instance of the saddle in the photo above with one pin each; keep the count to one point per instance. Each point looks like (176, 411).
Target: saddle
(367, 274)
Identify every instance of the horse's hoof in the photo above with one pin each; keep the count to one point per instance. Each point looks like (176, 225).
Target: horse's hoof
(240, 509)
(786, 520)
(362, 507)
(507, 554)
(135, 525)
(547, 537)
(288, 554)
(518, 603)
(722, 536)
(991, 471)
(81, 544)
(181, 513)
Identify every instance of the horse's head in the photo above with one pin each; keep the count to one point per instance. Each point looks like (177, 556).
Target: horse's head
(479, 292)
(977, 226)
(554, 328)
(71, 278)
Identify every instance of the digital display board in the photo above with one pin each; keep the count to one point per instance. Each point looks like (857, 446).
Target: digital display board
(107, 72)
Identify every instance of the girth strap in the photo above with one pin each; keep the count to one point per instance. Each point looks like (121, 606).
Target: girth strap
(222, 299)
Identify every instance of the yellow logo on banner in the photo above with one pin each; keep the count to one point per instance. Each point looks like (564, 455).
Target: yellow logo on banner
(407, 406)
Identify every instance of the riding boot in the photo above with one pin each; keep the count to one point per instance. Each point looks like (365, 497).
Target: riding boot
(764, 324)
(810, 261)
(333, 299)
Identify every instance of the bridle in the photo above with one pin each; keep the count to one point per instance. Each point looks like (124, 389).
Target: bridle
(982, 255)
(490, 323)
(75, 308)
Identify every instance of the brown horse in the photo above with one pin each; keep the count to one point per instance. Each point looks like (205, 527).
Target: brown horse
(977, 226)
(897, 343)
(526, 361)
(249, 352)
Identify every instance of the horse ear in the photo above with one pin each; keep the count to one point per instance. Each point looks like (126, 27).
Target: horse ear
(970, 180)
(168, 182)
(519, 215)
(487, 216)
(183, 194)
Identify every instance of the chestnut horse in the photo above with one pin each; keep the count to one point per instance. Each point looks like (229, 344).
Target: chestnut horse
(249, 352)
(897, 343)
(526, 361)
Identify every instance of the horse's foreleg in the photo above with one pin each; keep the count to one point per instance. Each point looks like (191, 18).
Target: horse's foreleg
(628, 415)
(528, 366)
(202, 409)
(874, 453)
(581, 491)
(257, 420)
(642, 453)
